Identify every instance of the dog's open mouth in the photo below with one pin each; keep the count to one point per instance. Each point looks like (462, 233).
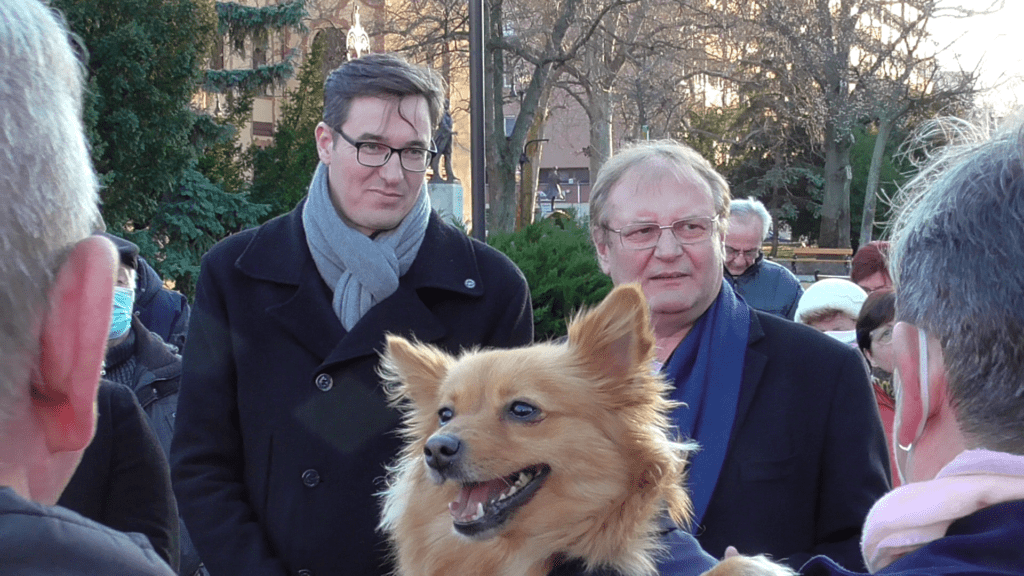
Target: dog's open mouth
(484, 506)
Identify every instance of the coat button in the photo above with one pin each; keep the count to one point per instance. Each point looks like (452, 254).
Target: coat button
(324, 382)
(470, 283)
(310, 478)
(305, 572)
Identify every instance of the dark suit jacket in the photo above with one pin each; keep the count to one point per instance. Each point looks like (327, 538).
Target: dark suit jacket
(123, 480)
(282, 432)
(807, 456)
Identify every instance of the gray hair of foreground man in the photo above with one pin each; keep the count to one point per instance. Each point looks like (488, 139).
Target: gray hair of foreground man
(752, 208)
(677, 157)
(381, 75)
(47, 185)
(955, 254)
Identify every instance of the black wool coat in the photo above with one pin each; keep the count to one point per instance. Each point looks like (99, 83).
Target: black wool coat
(807, 456)
(283, 433)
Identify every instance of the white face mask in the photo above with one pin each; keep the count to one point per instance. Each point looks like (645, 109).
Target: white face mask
(904, 454)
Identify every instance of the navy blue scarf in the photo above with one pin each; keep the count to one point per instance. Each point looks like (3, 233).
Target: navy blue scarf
(707, 368)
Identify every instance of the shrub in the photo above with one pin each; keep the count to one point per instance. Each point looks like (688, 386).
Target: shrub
(559, 264)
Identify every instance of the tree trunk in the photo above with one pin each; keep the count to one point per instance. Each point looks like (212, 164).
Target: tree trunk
(530, 173)
(599, 112)
(867, 224)
(503, 151)
(835, 206)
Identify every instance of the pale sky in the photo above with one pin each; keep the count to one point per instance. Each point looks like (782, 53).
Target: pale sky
(994, 41)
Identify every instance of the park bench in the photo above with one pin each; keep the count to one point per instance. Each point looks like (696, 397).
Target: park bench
(819, 262)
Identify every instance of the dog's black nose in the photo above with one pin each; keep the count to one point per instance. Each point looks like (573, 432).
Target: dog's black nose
(441, 451)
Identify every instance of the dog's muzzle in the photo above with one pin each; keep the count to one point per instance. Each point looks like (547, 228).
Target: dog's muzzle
(442, 453)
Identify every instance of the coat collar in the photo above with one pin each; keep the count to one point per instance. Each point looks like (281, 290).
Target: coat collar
(278, 253)
(153, 353)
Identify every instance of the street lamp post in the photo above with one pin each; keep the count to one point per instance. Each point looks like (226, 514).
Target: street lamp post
(524, 157)
(476, 116)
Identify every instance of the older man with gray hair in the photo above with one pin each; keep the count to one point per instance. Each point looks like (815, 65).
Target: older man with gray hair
(763, 284)
(792, 448)
(56, 285)
(959, 346)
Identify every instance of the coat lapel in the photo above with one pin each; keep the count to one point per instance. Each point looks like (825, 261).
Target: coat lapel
(295, 295)
(402, 313)
(307, 314)
(754, 362)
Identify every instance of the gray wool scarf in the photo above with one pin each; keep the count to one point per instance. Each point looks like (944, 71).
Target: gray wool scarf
(361, 271)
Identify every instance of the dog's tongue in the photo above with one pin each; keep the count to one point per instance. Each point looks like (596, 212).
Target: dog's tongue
(465, 506)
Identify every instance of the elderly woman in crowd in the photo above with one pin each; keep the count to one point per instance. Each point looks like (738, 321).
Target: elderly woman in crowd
(832, 306)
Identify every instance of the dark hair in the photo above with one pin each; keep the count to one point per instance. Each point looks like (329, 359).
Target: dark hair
(870, 258)
(380, 75)
(879, 308)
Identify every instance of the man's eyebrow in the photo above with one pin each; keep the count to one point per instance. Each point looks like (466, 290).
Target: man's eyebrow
(368, 136)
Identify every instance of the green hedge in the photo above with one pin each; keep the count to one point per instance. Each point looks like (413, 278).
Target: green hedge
(559, 263)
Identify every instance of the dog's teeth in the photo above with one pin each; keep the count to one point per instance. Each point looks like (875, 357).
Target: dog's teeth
(507, 493)
(522, 480)
(479, 511)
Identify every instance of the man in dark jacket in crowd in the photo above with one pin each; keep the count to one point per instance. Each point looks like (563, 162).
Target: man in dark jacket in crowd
(763, 284)
(56, 282)
(283, 429)
(148, 366)
(163, 311)
(792, 453)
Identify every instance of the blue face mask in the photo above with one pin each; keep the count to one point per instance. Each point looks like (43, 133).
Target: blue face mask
(121, 318)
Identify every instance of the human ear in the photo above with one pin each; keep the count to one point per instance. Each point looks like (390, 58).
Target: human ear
(73, 343)
(907, 360)
(324, 142)
(602, 251)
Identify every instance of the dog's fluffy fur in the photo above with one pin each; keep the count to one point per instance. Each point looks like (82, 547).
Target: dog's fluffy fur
(587, 419)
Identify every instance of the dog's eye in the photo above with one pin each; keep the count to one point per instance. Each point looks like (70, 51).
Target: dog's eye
(444, 415)
(523, 411)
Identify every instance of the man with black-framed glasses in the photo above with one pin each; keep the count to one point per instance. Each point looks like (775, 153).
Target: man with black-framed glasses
(283, 431)
(762, 284)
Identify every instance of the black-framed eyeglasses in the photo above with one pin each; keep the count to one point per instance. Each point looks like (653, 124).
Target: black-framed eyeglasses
(751, 254)
(644, 235)
(376, 154)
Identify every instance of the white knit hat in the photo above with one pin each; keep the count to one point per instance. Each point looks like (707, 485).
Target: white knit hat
(834, 293)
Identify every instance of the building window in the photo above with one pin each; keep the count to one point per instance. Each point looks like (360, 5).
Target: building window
(263, 129)
(217, 58)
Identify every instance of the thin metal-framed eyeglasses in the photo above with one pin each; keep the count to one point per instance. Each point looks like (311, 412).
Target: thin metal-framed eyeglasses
(644, 235)
(751, 254)
(376, 154)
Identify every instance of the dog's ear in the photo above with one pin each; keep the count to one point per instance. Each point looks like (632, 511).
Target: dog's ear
(615, 336)
(412, 371)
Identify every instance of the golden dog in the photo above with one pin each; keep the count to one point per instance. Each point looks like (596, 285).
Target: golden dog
(516, 460)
